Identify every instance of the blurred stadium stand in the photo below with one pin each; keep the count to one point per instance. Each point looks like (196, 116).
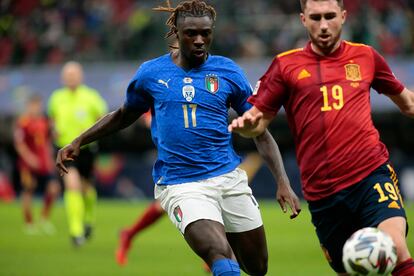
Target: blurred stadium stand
(112, 37)
(51, 31)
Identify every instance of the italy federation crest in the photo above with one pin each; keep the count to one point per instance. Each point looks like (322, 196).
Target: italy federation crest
(188, 92)
(353, 72)
(212, 83)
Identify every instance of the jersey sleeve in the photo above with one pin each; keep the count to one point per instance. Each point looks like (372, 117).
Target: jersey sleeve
(270, 92)
(385, 81)
(242, 90)
(137, 98)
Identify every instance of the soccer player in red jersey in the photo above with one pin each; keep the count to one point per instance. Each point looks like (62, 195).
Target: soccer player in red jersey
(325, 90)
(35, 162)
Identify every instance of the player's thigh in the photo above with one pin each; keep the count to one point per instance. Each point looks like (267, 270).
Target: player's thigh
(239, 207)
(250, 249)
(189, 202)
(380, 197)
(243, 223)
(49, 183)
(396, 228)
(207, 238)
(72, 180)
(27, 179)
(382, 206)
(194, 210)
(334, 224)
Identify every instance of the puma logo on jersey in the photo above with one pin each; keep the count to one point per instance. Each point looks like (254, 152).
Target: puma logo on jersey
(164, 82)
(304, 74)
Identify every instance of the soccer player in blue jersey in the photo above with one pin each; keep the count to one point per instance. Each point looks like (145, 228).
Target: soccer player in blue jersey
(198, 182)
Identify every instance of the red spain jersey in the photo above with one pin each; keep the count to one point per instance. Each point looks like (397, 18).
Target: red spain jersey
(35, 133)
(327, 103)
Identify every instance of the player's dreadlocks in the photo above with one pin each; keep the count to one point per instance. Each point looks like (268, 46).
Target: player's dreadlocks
(194, 8)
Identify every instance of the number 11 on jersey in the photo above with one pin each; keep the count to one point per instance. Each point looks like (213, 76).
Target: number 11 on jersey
(186, 108)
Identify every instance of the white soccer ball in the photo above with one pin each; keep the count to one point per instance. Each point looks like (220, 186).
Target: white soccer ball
(369, 251)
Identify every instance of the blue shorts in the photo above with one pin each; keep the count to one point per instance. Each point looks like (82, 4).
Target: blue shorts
(365, 204)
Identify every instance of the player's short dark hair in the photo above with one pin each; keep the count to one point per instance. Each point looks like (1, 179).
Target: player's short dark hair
(188, 8)
(303, 3)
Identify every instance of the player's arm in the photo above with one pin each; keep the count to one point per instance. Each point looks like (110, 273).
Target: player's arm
(23, 149)
(269, 150)
(108, 124)
(251, 124)
(405, 102)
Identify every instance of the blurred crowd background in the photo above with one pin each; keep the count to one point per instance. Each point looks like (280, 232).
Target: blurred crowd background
(112, 37)
(52, 31)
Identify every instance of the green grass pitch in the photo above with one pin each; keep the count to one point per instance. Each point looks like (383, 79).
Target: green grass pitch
(160, 250)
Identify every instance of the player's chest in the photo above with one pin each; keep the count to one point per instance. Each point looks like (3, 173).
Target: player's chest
(330, 82)
(37, 129)
(206, 87)
(350, 72)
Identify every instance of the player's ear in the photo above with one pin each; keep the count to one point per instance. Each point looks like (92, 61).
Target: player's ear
(302, 18)
(344, 15)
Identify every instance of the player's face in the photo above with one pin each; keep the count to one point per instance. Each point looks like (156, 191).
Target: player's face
(195, 35)
(72, 76)
(35, 108)
(324, 20)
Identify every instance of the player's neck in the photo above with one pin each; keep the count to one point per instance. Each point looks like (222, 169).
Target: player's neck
(326, 52)
(187, 64)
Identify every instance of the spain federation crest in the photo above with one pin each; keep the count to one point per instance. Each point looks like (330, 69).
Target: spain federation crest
(212, 83)
(353, 72)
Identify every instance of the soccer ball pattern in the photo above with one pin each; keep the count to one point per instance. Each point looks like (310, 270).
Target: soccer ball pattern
(369, 251)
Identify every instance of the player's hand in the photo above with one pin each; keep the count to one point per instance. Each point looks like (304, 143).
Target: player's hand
(67, 153)
(32, 161)
(248, 121)
(286, 196)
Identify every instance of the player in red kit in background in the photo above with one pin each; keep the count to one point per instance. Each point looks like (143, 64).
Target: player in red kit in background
(35, 162)
(325, 90)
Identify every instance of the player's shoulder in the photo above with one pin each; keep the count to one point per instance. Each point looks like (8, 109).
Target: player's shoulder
(224, 63)
(217, 59)
(59, 91)
(155, 63)
(293, 53)
(152, 67)
(356, 45)
(23, 121)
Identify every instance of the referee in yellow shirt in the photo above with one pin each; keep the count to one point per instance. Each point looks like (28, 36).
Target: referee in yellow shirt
(74, 108)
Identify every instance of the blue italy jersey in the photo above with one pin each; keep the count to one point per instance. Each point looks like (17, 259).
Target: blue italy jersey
(190, 115)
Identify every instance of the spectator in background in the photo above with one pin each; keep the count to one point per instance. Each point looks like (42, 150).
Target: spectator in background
(52, 31)
(74, 108)
(32, 140)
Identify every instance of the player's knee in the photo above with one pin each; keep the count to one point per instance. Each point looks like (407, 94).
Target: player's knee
(259, 268)
(28, 188)
(218, 252)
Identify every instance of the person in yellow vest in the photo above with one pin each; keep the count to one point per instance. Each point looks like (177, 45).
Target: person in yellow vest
(74, 108)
